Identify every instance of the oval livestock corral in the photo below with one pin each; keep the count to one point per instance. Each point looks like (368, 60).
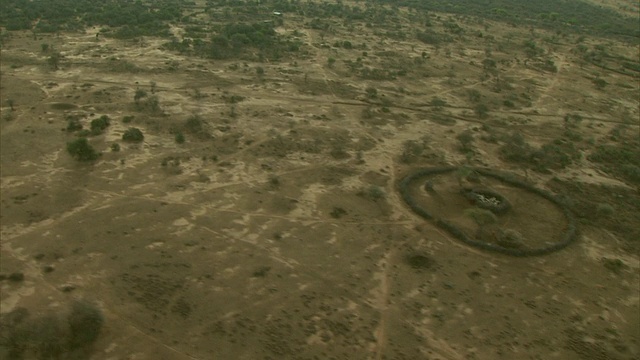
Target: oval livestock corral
(492, 201)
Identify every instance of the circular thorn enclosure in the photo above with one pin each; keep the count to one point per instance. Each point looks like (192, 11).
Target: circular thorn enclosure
(490, 200)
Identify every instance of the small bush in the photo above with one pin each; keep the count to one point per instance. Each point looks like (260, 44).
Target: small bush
(420, 262)
(133, 135)
(179, 138)
(81, 150)
(115, 147)
(274, 181)
(127, 119)
(412, 150)
(375, 193)
(465, 138)
(74, 125)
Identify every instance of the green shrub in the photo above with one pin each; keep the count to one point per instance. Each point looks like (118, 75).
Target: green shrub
(81, 150)
(133, 135)
(465, 138)
(98, 125)
(74, 125)
(179, 138)
(375, 193)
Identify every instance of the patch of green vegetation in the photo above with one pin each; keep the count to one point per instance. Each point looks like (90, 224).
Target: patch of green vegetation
(373, 193)
(81, 150)
(620, 159)
(420, 262)
(133, 135)
(179, 138)
(195, 125)
(557, 154)
(577, 16)
(100, 124)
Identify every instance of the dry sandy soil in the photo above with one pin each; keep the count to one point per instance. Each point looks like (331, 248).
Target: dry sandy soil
(278, 232)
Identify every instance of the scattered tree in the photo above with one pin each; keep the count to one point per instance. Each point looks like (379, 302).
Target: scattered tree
(81, 150)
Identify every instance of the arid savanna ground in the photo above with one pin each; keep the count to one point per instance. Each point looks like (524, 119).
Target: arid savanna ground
(275, 230)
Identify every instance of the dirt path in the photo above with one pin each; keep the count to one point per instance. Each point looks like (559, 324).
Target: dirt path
(382, 304)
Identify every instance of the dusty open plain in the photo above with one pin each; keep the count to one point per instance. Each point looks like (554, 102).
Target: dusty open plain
(277, 229)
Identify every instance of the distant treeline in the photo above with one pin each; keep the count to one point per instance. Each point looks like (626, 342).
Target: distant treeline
(50, 16)
(135, 18)
(555, 14)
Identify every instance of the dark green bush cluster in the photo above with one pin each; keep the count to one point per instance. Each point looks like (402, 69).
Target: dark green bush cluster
(621, 159)
(237, 40)
(196, 126)
(81, 150)
(556, 15)
(557, 154)
(133, 135)
(433, 38)
(130, 19)
(100, 124)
